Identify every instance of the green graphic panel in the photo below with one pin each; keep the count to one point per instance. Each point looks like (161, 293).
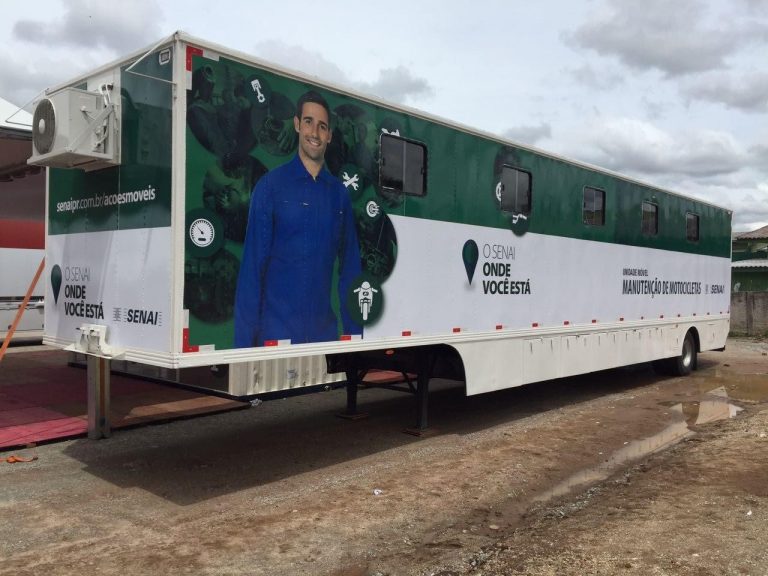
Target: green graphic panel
(135, 194)
(240, 127)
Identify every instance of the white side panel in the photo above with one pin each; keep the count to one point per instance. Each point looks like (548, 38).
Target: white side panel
(579, 353)
(17, 269)
(497, 364)
(120, 279)
(248, 378)
(481, 364)
(549, 281)
(541, 359)
(31, 324)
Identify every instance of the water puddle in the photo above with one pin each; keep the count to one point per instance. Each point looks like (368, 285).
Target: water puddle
(747, 387)
(714, 405)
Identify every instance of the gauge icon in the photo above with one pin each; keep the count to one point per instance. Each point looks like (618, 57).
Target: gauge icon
(201, 232)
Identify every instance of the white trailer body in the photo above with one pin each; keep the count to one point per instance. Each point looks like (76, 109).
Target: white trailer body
(522, 265)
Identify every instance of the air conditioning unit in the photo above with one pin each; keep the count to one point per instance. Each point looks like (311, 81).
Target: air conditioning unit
(75, 128)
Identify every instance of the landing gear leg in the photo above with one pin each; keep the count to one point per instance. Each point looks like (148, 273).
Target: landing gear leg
(422, 397)
(354, 377)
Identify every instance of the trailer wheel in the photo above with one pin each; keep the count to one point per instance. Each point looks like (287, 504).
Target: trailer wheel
(685, 363)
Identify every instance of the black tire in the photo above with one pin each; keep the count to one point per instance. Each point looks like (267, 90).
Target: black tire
(661, 367)
(685, 363)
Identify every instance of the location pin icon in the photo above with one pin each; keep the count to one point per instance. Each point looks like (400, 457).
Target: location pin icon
(470, 254)
(56, 282)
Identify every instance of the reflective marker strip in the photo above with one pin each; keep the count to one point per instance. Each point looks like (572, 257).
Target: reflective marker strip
(192, 51)
(185, 347)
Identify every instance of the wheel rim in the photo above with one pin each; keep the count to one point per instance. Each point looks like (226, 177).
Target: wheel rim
(687, 352)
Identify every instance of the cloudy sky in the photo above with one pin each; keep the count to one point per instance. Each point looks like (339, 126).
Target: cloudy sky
(674, 93)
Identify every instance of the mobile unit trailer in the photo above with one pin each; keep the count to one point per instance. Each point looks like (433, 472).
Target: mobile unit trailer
(21, 250)
(22, 227)
(426, 247)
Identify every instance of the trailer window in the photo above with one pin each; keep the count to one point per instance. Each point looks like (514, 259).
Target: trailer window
(514, 194)
(594, 206)
(403, 166)
(692, 227)
(650, 219)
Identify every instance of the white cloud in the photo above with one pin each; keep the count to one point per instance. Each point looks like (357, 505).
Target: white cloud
(596, 79)
(759, 154)
(23, 80)
(121, 27)
(747, 92)
(396, 84)
(301, 60)
(749, 204)
(529, 134)
(630, 145)
(669, 36)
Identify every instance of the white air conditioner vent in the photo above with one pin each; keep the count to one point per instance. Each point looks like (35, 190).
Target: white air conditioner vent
(43, 127)
(75, 128)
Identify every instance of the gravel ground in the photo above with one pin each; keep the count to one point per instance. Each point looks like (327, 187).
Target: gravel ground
(612, 473)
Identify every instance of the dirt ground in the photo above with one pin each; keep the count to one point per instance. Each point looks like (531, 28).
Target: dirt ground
(620, 472)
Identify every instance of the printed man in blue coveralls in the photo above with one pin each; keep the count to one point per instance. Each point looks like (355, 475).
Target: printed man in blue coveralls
(299, 225)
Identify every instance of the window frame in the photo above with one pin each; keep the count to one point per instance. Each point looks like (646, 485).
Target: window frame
(530, 190)
(584, 218)
(697, 218)
(406, 142)
(655, 232)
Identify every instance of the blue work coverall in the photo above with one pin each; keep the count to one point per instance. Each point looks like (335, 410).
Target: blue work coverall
(298, 227)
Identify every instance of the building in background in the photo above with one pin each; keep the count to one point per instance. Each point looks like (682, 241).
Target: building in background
(750, 261)
(22, 222)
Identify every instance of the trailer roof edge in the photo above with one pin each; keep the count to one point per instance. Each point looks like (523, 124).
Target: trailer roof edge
(182, 36)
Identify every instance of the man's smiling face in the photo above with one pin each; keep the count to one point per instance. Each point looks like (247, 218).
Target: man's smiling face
(314, 132)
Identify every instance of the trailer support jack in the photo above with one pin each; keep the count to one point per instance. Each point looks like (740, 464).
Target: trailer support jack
(422, 398)
(354, 378)
(98, 397)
